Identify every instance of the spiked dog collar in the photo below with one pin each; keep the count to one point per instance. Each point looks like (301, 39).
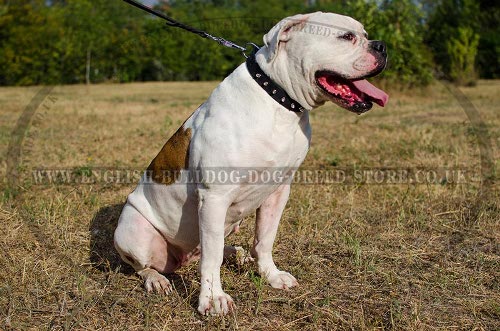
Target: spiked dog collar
(271, 88)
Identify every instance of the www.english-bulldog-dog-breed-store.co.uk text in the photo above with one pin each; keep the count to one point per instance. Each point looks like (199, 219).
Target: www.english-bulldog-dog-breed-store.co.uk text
(257, 118)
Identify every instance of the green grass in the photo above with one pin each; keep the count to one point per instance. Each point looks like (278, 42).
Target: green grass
(399, 256)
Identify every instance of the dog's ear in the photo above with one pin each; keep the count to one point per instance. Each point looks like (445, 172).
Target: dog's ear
(282, 32)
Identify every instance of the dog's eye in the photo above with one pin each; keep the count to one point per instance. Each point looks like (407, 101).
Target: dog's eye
(348, 36)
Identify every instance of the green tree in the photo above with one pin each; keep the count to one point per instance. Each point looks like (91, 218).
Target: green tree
(462, 50)
(453, 22)
(488, 57)
(72, 41)
(28, 54)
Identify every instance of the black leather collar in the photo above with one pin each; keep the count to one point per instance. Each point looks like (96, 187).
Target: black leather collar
(273, 89)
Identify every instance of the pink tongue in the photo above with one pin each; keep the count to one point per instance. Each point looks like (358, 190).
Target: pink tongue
(379, 96)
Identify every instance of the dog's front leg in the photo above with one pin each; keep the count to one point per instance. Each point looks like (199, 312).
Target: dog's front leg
(268, 218)
(212, 214)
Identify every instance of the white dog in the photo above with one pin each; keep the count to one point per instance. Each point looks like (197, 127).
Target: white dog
(255, 121)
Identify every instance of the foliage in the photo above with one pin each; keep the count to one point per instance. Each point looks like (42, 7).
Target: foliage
(71, 41)
(462, 50)
(488, 58)
(452, 23)
(25, 57)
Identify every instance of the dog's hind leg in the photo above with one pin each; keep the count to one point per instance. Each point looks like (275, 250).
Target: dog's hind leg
(145, 249)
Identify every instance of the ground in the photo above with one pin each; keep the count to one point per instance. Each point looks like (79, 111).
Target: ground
(367, 255)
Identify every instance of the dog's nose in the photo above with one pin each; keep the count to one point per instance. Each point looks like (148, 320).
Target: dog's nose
(378, 46)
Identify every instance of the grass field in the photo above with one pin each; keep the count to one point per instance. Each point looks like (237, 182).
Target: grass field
(367, 256)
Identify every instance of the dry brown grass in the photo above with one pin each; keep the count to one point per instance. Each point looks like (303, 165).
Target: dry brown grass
(366, 256)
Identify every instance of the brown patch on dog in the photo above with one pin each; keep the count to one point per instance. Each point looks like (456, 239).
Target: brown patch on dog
(174, 156)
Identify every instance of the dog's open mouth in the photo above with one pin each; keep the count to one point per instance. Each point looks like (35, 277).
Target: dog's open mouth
(354, 95)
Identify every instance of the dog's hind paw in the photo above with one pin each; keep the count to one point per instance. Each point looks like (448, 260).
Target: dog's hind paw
(155, 282)
(237, 255)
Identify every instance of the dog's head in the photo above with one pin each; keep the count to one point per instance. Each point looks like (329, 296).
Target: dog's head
(329, 57)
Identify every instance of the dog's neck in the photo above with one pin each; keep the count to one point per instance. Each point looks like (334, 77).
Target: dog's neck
(287, 80)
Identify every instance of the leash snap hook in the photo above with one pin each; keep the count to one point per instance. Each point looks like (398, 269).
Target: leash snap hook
(255, 49)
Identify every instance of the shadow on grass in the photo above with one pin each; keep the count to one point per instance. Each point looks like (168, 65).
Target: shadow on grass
(103, 254)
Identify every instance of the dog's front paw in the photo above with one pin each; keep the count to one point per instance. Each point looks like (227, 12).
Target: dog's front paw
(282, 280)
(220, 304)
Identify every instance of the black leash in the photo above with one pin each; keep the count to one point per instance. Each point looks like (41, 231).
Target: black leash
(201, 33)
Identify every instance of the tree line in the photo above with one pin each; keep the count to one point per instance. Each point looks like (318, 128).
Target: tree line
(92, 41)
